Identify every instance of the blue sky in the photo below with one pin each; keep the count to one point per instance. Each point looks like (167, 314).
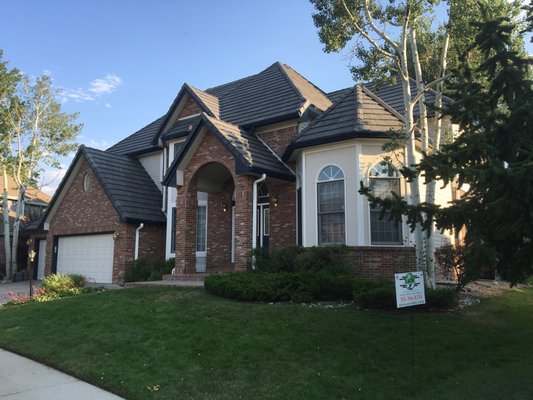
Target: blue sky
(120, 63)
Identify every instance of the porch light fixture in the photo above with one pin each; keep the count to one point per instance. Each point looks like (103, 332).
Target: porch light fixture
(115, 235)
(275, 201)
(224, 207)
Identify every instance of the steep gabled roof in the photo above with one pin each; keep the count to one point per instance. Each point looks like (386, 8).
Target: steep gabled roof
(250, 153)
(140, 142)
(359, 113)
(130, 189)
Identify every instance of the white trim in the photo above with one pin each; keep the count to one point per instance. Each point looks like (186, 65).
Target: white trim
(360, 202)
(232, 234)
(304, 209)
(188, 116)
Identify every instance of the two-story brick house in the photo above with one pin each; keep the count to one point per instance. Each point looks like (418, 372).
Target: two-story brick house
(269, 161)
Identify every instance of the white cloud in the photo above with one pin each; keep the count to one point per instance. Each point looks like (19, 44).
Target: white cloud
(99, 144)
(105, 85)
(97, 87)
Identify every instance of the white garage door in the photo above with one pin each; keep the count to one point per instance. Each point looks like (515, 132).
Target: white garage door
(90, 256)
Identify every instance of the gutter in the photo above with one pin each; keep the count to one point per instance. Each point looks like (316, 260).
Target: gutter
(137, 234)
(254, 216)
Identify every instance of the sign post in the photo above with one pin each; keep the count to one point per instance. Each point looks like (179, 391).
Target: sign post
(410, 292)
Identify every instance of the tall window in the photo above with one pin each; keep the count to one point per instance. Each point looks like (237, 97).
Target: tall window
(330, 189)
(173, 231)
(201, 228)
(384, 179)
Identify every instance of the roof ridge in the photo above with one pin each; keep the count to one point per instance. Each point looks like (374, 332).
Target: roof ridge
(275, 155)
(359, 113)
(308, 81)
(289, 80)
(386, 106)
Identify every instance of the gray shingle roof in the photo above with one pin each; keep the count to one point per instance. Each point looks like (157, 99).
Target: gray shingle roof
(393, 96)
(358, 114)
(251, 150)
(129, 187)
(140, 142)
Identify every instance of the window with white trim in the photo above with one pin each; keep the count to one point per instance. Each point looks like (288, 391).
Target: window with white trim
(384, 179)
(201, 228)
(330, 201)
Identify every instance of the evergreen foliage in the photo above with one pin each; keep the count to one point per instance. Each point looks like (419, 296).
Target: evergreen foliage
(491, 159)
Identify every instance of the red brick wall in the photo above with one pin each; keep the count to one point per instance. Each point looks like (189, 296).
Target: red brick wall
(282, 217)
(190, 108)
(381, 262)
(279, 139)
(82, 212)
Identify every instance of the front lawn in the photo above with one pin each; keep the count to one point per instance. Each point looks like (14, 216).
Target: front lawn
(172, 343)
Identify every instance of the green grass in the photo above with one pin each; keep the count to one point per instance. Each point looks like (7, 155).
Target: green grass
(191, 345)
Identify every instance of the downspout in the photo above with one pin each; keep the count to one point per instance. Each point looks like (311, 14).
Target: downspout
(254, 217)
(137, 234)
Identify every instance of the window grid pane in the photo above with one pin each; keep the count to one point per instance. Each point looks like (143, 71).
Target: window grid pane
(201, 228)
(331, 212)
(384, 231)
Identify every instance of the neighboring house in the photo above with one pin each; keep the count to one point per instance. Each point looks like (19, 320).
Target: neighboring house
(267, 161)
(35, 203)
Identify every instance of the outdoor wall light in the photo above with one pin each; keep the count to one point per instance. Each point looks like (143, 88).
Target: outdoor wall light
(224, 207)
(275, 201)
(115, 235)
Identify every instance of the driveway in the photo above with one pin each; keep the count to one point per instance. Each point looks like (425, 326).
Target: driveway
(15, 287)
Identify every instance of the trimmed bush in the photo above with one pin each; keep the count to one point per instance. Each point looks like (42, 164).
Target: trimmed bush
(381, 294)
(281, 286)
(299, 259)
(148, 270)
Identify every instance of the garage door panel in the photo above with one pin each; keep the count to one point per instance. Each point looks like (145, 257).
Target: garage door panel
(90, 256)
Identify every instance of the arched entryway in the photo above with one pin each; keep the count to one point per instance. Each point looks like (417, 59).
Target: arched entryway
(214, 218)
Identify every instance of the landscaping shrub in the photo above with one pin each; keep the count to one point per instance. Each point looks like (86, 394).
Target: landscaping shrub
(281, 286)
(148, 270)
(63, 285)
(381, 294)
(299, 259)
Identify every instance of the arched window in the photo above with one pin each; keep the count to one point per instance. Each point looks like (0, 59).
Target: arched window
(330, 189)
(384, 179)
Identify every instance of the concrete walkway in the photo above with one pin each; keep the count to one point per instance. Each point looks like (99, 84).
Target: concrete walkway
(24, 379)
(176, 283)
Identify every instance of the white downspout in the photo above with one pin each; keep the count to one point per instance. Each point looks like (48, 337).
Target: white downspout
(137, 240)
(254, 217)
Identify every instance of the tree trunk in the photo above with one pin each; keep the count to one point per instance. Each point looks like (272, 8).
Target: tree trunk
(16, 226)
(427, 238)
(7, 237)
(411, 151)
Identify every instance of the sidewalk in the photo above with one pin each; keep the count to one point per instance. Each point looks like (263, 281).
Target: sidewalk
(24, 379)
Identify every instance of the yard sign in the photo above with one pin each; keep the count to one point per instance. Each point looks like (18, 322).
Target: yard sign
(409, 289)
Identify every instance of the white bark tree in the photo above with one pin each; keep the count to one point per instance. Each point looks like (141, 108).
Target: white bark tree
(35, 132)
(389, 34)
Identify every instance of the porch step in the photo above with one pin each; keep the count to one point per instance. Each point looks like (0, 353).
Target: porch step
(185, 277)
